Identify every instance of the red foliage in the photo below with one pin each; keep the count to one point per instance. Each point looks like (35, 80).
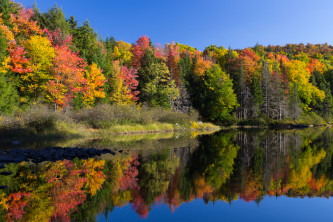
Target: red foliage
(270, 56)
(172, 62)
(68, 76)
(67, 187)
(19, 63)
(129, 75)
(315, 65)
(139, 50)
(139, 205)
(173, 195)
(249, 59)
(129, 179)
(282, 58)
(16, 204)
(57, 39)
(23, 23)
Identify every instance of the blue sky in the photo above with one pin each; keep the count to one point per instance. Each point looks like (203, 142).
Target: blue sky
(235, 23)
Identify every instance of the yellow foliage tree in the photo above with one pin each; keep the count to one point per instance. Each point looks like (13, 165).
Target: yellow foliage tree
(95, 177)
(121, 93)
(95, 81)
(299, 73)
(41, 53)
(122, 51)
(201, 66)
(5, 30)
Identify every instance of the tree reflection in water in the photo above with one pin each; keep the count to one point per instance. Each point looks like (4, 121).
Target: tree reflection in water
(227, 166)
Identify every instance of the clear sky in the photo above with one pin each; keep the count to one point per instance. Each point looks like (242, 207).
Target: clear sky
(200, 23)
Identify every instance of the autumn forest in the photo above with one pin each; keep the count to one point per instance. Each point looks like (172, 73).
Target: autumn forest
(47, 58)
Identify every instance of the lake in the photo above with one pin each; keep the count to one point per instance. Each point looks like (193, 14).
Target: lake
(232, 175)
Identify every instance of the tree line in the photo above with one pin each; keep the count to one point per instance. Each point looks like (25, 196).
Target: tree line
(48, 58)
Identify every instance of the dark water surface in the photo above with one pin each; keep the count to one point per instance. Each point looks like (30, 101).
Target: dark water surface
(251, 175)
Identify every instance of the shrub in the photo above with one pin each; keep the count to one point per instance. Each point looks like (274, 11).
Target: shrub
(40, 118)
(104, 116)
(9, 97)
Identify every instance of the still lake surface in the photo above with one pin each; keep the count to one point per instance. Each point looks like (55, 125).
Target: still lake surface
(252, 175)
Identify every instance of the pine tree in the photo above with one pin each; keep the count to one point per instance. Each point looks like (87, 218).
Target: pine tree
(266, 80)
(325, 108)
(285, 89)
(257, 95)
(294, 102)
(53, 20)
(244, 96)
(9, 97)
(276, 92)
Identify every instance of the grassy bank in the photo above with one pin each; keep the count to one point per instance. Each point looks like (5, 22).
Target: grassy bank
(307, 119)
(101, 121)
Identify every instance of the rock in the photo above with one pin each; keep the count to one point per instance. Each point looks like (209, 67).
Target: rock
(50, 154)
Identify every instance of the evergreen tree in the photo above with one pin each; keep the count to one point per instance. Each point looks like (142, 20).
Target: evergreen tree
(220, 98)
(285, 89)
(276, 94)
(266, 87)
(6, 8)
(244, 96)
(53, 20)
(144, 73)
(257, 95)
(3, 47)
(9, 97)
(294, 102)
(324, 108)
(84, 40)
(160, 89)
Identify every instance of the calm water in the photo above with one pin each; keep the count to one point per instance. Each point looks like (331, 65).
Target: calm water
(253, 175)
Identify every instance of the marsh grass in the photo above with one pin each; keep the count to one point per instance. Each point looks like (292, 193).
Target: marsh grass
(40, 121)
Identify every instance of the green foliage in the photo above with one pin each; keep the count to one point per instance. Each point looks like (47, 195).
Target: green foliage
(53, 20)
(217, 96)
(9, 97)
(6, 8)
(3, 47)
(160, 88)
(84, 41)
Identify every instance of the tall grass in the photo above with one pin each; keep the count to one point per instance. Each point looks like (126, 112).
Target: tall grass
(41, 119)
(106, 116)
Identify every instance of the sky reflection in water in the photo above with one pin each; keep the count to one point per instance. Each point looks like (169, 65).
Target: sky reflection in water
(252, 175)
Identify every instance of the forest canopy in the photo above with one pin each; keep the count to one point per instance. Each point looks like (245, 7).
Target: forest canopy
(46, 57)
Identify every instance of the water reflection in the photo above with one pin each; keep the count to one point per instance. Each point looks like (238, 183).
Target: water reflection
(227, 166)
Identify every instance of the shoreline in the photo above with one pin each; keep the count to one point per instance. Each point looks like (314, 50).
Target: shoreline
(70, 131)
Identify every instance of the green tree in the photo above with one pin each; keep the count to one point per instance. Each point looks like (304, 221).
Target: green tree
(9, 97)
(326, 107)
(160, 89)
(6, 8)
(257, 93)
(53, 20)
(220, 98)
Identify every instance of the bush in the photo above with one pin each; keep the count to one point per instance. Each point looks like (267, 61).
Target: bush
(254, 122)
(104, 116)
(40, 118)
